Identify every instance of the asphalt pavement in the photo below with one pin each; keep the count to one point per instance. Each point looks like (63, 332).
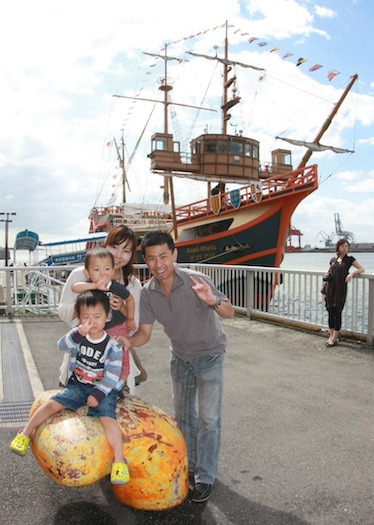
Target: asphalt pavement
(297, 442)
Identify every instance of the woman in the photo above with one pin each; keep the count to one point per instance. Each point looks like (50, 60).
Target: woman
(121, 242)
(336, 287)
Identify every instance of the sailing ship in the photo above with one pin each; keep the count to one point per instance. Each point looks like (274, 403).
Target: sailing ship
(248, 225)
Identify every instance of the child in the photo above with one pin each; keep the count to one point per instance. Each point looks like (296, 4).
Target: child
(94, 379)
(99, 269)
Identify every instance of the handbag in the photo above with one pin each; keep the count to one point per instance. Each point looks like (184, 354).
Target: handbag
(328, 277)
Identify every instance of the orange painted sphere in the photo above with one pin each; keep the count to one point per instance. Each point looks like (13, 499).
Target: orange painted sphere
(72, 449)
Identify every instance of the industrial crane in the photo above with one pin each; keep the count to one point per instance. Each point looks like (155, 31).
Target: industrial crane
(340, 232)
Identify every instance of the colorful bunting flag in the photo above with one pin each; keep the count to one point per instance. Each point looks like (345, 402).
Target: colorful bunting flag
(252, 39)
(332, 74)
(315, 67)
(301, 61)
(288, 54)
(262, 44)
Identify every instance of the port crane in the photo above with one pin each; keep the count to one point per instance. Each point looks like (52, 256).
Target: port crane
(342, 234)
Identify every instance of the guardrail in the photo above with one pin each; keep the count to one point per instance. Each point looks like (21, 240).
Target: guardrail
(288, 296)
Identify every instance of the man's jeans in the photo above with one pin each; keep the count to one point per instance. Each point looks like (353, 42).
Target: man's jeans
(201, 430)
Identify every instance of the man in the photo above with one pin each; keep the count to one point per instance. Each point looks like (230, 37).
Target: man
(186, 303)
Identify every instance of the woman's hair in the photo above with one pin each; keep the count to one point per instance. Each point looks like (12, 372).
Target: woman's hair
(339, 243)
(117, 236)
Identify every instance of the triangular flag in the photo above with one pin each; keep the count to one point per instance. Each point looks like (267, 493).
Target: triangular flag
(288, 54)
(274, 49)
(109, 143)
(301, 61)
(262, 44)
(252, 39)
(315, 67)
(332, 74)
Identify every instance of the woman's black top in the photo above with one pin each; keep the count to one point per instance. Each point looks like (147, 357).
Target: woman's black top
(337, 287)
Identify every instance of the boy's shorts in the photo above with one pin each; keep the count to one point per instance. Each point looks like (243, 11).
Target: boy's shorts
(75, 395)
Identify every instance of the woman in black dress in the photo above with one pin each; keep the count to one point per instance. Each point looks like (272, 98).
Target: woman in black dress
(336, 287)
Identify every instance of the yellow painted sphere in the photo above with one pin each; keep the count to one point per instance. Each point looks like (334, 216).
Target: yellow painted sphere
(72, 449)
(156, 452)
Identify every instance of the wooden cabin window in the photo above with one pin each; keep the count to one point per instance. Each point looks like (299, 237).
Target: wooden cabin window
(235, 148)
(248, 150)
(160, 144)
(210, 146)
(255, 151)
(222, 146)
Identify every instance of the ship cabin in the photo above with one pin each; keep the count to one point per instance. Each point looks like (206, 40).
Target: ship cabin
(215, 156)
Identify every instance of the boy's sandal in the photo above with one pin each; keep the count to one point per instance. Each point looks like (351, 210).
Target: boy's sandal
(120, 474)
(20, 444)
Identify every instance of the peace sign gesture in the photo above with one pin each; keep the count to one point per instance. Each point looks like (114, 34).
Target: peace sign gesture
(203, 291)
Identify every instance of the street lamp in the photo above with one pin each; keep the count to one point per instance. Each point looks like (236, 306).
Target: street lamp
(7, 221)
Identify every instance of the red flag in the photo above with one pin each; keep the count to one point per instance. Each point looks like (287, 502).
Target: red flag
(332, 74)
(252, 39)
(315, 67)
(109, 143)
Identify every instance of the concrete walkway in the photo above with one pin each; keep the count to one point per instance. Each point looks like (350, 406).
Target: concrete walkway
(297, 444)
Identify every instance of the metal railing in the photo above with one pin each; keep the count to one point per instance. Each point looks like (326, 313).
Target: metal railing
(288, 296)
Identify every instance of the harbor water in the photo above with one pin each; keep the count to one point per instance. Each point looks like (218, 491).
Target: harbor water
(320, 260)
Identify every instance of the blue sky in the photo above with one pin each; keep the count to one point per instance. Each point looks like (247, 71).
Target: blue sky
(65, 59)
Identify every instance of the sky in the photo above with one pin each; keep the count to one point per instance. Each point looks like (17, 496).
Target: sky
(63, 61)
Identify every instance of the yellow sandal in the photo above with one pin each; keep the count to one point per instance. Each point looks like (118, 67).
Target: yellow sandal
(120, 474)
(20, 444)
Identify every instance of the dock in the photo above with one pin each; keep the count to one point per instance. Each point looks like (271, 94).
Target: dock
(297, 431)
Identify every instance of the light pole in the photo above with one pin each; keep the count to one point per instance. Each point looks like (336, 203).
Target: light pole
(7, 221)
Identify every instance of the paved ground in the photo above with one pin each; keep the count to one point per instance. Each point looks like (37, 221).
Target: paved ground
(298, 437)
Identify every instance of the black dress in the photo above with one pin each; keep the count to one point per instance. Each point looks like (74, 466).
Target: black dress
(336, 291)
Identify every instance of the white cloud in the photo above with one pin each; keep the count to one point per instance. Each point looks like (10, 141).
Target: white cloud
(324, 12)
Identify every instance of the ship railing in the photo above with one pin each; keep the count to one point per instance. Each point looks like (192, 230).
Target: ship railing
(290, 297)
(272, 188)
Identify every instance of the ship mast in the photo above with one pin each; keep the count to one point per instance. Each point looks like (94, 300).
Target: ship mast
(121, 160)
(327, 122)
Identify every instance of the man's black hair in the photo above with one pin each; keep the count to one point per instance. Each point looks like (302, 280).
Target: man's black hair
(156, 238)
(92, 298)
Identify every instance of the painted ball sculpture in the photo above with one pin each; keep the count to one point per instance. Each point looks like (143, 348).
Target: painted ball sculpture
(72, 450)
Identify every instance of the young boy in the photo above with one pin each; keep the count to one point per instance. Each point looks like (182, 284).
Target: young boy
(94, 379)
(99, 269)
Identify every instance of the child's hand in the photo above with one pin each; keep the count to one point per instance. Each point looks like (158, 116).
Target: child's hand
(130, 323)
(102, 284)
(92, 402)
(85, 327)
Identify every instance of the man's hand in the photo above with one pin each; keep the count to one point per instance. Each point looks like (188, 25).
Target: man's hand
(203, 291)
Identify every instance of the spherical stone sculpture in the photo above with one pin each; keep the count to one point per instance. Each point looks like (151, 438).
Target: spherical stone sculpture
(71, 448)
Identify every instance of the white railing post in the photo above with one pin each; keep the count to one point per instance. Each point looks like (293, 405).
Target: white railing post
(250, 289)
(370, 329)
